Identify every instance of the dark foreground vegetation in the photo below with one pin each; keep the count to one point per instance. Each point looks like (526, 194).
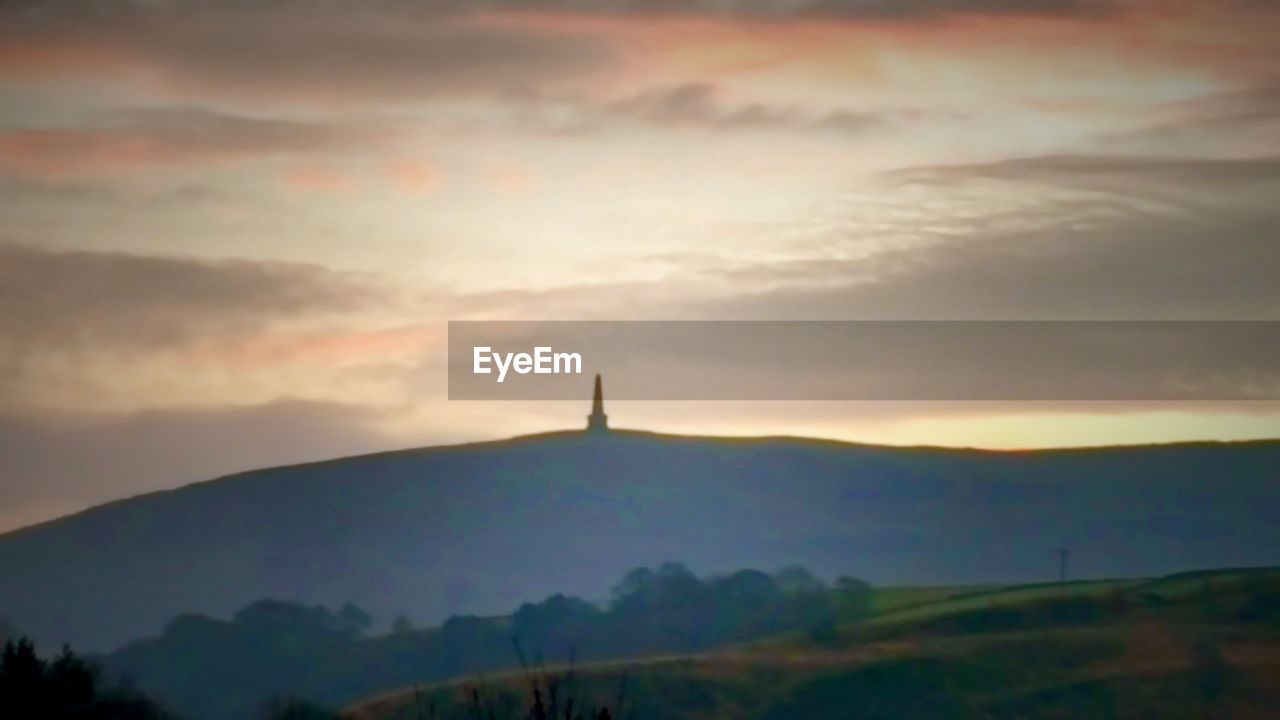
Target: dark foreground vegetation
(747, 645)
(64, 688)
(210, 669)
(1197, 645)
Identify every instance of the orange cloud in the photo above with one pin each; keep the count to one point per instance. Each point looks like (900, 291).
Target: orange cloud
(1231, 40)
(346, 346)
(59, 154)
(182, 55)
(512, 180)
(317, 178)
(354, 53)
(55, 56)
(415, 177)
(130, 141)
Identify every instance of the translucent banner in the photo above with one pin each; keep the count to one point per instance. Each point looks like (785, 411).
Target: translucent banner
(866, 360)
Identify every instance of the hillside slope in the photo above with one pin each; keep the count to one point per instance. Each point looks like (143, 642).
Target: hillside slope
(1113, 671)
(477, 528)
(1210, 647)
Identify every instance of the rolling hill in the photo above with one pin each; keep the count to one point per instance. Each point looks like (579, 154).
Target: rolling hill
(1195, 653)
(477, 528)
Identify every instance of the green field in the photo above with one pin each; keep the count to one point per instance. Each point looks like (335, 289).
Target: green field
(897, 597)
(969, 599)
(1089, 649)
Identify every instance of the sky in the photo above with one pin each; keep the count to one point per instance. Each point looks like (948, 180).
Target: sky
(232, 232)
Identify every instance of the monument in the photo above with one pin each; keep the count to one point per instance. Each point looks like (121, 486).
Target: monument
(597, 421)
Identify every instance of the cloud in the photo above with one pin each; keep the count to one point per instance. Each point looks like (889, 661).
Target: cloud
(1232, 123)
(1048, 238)
(317, 178)
(1054, 238)
(698, 104)
(115, 332)
(1086, 238)
(1136, 174)
(168, 138)
(56, 463)
(111, 301)
(412, 176)
(824, 9)
(127, 10)
(512, 180)
(315, 51)
(812, 9)
(393, 51)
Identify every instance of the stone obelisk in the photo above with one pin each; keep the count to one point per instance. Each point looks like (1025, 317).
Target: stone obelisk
(597, 421)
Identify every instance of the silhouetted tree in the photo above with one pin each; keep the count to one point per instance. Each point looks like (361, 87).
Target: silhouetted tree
(634, 588)
(354, 621)
(557, 624)
(846, 585)
(852, 598)
(66, 688)
(211, 668)
(795, 579)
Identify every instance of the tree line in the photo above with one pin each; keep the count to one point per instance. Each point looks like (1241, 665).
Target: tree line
(209, 668)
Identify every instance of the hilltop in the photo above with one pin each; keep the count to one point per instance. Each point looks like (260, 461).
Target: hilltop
(476, 528)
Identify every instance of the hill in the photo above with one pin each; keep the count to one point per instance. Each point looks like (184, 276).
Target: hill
(1208, 648)
(477, 528)
(1117, 670)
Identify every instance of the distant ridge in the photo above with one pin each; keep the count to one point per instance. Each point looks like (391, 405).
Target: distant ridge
(473, 527)
(497, 442)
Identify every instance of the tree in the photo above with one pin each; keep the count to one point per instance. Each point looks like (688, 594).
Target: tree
(70, 679)
(747, 590)
(852, 598)
(65, 688)
(795, 579)
(22, 683)
(634, 590)
(746, 603)
(354, 620)
(557, 625)
(847, 585)
(401, 625)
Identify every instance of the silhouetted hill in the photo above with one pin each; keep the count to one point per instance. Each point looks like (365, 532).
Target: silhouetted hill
(477, 528)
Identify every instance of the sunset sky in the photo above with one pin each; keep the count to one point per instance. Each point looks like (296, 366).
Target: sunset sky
(232, 232)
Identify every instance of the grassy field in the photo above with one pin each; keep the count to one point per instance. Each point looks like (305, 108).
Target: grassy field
(977, 598)
(898, 597)
(1184, 585)
(1094, 649)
